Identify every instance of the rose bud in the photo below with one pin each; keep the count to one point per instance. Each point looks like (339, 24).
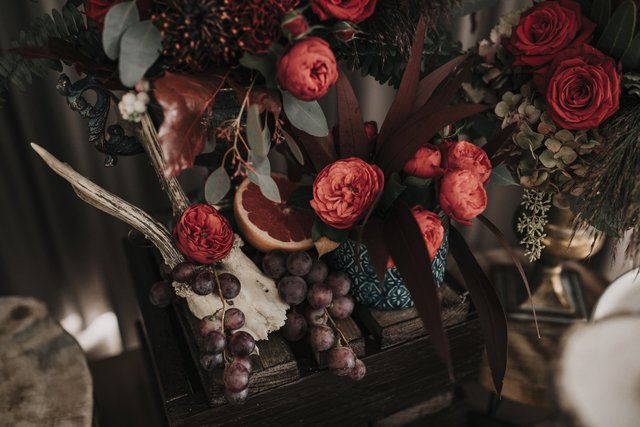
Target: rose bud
(349, 10)
(431, 228)
(425, 163)
(294, 25)
(307, 69)
(371, 129)
(462, 196)
(97, 10)
(202, 235)
(344, 31)
(345, 190)
(463, 155)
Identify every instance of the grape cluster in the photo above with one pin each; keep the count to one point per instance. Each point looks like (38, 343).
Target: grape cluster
(305, 281)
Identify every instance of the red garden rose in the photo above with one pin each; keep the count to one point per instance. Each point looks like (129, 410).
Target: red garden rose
(97, 10)
(345, 190)
(425, 163)
(294, 25)
(546, 30)
(462, 195)
(202, 235)
(348, 10)
(582, 88)
(431, 228)
(463, 155)
(307, 69)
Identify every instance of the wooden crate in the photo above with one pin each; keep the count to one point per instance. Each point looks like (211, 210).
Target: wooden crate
(404, 375)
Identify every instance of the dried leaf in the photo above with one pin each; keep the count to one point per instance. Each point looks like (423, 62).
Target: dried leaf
(493, 322)
(184, 99)
(352, 138)
(325, 245)
(405, 243)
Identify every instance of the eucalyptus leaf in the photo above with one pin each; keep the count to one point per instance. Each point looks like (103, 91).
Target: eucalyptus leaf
(616, 36)
(631, 57)
(120, 17)
(269, 188)
(259, 139)
(217, 185)
(502, 176)
(139, 48)
(305, 115)
(264, 63)
(293, 147)
(259, 166)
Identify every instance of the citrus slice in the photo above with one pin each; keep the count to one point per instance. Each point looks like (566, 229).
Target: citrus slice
(270, 226)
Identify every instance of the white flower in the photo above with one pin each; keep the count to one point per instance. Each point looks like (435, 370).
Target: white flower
(132, 106)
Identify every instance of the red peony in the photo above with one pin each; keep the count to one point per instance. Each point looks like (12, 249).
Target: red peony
(97, 10)
(202, 235)
(425, 163)
(307, 69)
(348, 10)
(463, 155)
(294, 25)
(431, 228)
(582, 87)
(462, 195)
(345, 190)
(547, 29)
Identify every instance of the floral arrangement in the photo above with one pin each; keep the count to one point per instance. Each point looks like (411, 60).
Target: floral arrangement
(231, 86)
(563, 73)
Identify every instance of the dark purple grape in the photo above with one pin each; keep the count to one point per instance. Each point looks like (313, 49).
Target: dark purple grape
(203, 282)
(274, 264)
(241, 343)
(339, 282)
(236, 377)
(319, 295)
(292, 289)
(215, 342)
(316, 316)
(166, 272)
(341, 308)
(183, 272)
(318, 272)
(359, 371)
(299, 263)
(295, 327)
(238, 398)
(211, 361)
(229, 285)
(341, 360)
(233, 319)
(244, 360)
(322, 338)
(161, 294)
(209, 324)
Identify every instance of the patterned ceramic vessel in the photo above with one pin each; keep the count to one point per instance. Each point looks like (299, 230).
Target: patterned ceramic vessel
(366, 285)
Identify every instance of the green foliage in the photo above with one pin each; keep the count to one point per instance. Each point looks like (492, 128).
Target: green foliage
(615, 32)
(305, 115)
(68, 25)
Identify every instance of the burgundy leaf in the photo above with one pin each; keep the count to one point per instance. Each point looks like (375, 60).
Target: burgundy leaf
(403, 238)
(493, 146)
(378, 253)
(409, 139)
(516, 261)
(428, 85)
(401, 107)
(352, 139)
(34, 52)
(493, 322)
(185, 99)
(319, 149)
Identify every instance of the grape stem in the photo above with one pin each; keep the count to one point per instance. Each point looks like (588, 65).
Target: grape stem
(342, 337)
(224, 307)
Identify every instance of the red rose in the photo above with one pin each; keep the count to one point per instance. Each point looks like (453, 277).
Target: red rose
(307, 69)
(202, 235)
(425, 163)
(582, 88)
(97, 10)
(462, 195)
(431, 228)
(463, 155)
(345, 190)
(294, 25)
(348, 10)
(547, 29)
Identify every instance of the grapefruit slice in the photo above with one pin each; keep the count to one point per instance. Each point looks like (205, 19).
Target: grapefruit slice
(271, 226)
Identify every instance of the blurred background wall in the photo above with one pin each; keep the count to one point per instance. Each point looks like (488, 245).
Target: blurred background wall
(58, 249)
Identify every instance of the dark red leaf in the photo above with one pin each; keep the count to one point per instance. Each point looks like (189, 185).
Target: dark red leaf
(428, 85)
(319, 149)
(184, 99)
(378, 253)
(410, 138)
(493, 322)
(516, 261)
(401, 107)
(405, 243)
(496, 142)
(352, 139)
(34, 52)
